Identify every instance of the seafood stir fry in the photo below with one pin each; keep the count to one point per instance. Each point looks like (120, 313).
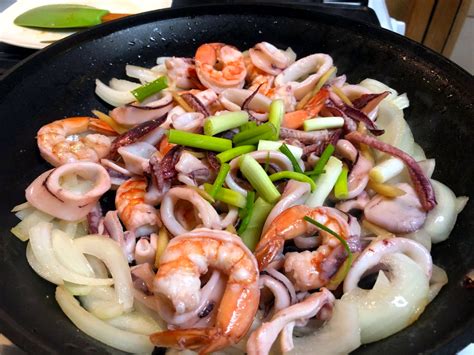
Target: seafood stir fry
(238, 202)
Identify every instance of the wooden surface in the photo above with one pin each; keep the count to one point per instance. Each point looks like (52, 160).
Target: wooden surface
(441, 23)
(461, 16)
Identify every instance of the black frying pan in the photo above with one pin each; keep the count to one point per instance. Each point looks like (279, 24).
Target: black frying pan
(59, 82)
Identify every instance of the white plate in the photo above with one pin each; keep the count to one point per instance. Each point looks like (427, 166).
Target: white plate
(37, 39)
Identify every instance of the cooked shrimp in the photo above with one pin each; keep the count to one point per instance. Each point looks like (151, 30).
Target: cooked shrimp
(67, 141)
(184, 261)
(308, 270)
(220, 66)
(138, 216)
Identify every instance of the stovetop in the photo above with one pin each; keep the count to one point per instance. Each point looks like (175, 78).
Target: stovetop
(11, 55)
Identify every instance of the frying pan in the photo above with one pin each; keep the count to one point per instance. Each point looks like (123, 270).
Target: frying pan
(59, 82)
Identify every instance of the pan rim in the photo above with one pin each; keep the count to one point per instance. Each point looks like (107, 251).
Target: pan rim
(26, 339)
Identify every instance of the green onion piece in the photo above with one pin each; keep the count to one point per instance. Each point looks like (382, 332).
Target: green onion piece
(319, 123)
(342, 240)
(247, 212)
(217, 124)
(199, 141)
(223, 171)
(323, 159)
(257, 177)
(151, 88)
(294, 176)
(260, 212)
(248, 134)
(285, 150)
(234, 152)
(275, 116)
(248, 125)
(341, 189)
(325, 183)
(256, 139)
(228, 196)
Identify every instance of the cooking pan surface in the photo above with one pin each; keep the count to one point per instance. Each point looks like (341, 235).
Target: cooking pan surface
(59, 82)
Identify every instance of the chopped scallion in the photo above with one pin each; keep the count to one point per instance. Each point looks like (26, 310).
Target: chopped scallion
(244, 136)
(248, 125)
(294, 176)
(323, 159)
(234, 152)
(247, 212)
(285, 150)
(260, 212)
(340, 188)
(223, 171)
(257, 177)
(151, 88)
(337, 236)
(199, 141)
(275, 116)
(315, 124)
(325, 183)
(228, 196)
(256, 139)
(217, 124)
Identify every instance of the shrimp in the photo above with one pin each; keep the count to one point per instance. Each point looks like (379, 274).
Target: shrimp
(67, 140)
(138, 216)
(220, 66)
(308, 270)
(184, 261)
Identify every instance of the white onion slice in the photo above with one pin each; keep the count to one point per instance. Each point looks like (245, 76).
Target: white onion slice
(439, 278)
(45, 273)
(21, 206)
(41, 245)
(123, 85)
(77, 290)
(135, 322)
(394, 304)
(68, 255)
(100, 330)
(113, 97)
(340, 335)
(102, 302)
(112, 255)
(143, 74)
(21, 230)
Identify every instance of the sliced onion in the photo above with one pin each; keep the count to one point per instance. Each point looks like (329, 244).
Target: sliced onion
(102, 302)
(77, 290)
(135, 322)
(45, 273)
(100, 330)
(340, 335)
(21, 206)
(397, 131)
(112, 255)
(21, 230)
(41, 245)
(401, 101)
(377, 87)
(392, 304)
(441, 219)
(68, 255)
(439, 278)
(100, 270)
(113, 97)
(123, 85)
(143, 74)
